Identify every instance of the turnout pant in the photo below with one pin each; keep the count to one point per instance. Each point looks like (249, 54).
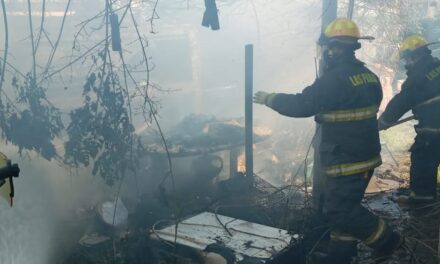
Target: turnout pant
(425, 159)
(349, 221)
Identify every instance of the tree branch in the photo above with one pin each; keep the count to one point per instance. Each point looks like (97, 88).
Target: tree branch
(34, 70)
(43, 12)
(52, 54)
(5, 21)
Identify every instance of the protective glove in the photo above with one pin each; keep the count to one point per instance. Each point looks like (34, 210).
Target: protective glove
(264, 98)
(14, 170)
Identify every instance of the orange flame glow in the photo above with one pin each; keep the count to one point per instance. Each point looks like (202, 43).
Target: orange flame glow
(241, 163)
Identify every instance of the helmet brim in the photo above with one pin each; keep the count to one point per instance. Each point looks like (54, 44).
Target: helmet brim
(433, 43)
(408, 53)
(325, 40)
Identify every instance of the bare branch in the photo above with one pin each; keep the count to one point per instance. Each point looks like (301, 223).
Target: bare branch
(34, 71)
(73, 61)
(5, 21)
(52, 54)
(43, 13)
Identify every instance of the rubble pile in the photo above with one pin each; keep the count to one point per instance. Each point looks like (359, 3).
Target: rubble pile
(205, 219)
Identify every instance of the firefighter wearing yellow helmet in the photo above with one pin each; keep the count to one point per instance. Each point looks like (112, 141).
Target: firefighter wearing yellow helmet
(344, 101)
(413, 45)
(340, 35)
(420, 93)
(342, 28)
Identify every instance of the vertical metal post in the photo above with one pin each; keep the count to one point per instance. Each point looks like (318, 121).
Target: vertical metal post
(249, 142)
(233, 156)
(350, 9)
(329, 13)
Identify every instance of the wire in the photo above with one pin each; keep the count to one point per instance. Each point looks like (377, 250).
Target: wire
(306, 164)
(317, 243)
(152, 112)
(153, 229)
(220, 222)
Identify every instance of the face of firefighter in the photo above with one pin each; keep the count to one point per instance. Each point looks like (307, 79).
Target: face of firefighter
(410, 61)
(326, 53)
(332, 53)
(412, 58)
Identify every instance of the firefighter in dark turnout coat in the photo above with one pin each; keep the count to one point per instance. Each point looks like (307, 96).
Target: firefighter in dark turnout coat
(421, 94)
(344, 102)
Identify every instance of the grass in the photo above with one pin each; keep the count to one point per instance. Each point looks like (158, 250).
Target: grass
(399, 139)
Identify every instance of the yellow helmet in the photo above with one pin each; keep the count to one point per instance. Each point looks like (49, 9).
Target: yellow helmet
(411, 43)
(342, 27)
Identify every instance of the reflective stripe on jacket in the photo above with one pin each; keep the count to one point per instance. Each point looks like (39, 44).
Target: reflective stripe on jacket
(350, 115)
(344, 101)
(430, 101)
(428, 130)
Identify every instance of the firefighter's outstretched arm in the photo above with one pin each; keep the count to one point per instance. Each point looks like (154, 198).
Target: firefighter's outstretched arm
(314, 99)
(396, 108)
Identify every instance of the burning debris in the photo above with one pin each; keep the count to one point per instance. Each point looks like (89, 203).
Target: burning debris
(202, 133)
(210, 207)
(211, 189)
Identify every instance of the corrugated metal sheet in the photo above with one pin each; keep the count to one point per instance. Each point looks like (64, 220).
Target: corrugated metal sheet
(244, 238)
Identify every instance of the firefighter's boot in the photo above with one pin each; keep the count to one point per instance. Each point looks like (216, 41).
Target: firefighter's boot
(385, 247)
(341, 252)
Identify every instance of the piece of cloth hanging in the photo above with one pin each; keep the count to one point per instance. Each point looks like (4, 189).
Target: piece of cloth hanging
(210, 17)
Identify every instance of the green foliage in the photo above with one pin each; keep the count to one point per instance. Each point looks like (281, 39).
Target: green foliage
(100, 131)
(37, 125)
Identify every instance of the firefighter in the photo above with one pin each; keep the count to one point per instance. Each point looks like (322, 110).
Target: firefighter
(344, 102)
(420, 93)
(8, 171)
